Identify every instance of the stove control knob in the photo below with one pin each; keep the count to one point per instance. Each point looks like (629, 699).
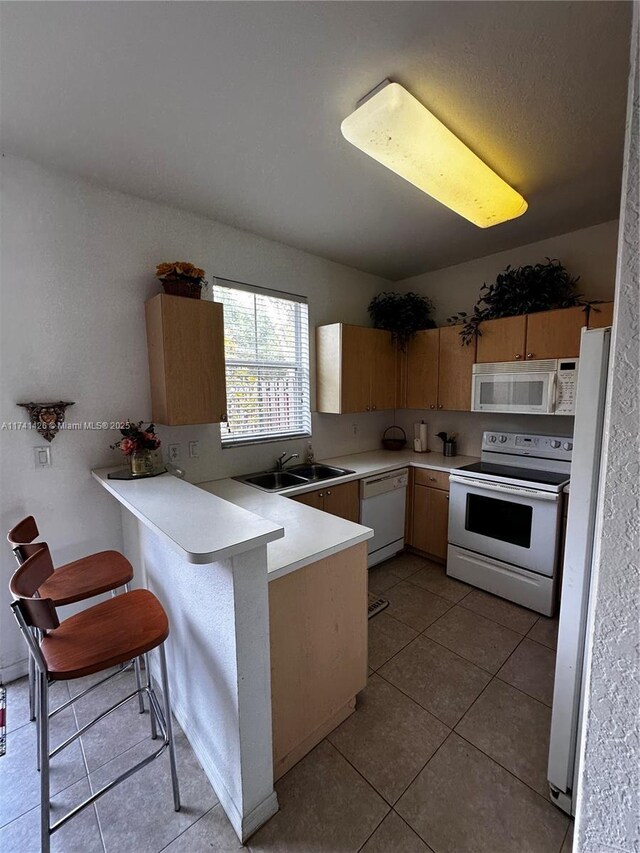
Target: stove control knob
(555, 444)
(567, 445)
(503, 438)
(491, 438)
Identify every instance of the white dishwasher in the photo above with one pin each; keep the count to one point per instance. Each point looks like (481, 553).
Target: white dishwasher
(382, 507)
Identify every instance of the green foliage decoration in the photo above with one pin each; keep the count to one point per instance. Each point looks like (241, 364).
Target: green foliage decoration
(520, 290)
(402, 314)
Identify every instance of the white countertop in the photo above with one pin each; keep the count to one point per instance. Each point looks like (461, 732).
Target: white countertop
(222, 517)
(199, 526)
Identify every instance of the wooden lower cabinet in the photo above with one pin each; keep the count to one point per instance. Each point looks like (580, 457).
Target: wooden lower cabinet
(318, 628)
(430, 521)
(342, 500)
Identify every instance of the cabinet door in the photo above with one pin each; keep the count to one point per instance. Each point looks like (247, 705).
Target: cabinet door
(454, 370)
(343, 501)
(314, 499)
(430, 521)
(555, 334)
(382, 362)
(185, 339)
(601, 315)
(356, 369)
(502, 340)
(422, 370)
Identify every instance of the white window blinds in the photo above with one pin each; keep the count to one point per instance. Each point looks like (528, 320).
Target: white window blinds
(266, 342)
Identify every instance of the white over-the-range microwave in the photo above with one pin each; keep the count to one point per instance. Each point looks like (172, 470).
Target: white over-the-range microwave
(543, 387)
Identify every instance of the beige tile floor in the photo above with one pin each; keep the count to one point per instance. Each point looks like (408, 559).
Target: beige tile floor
(446, 752)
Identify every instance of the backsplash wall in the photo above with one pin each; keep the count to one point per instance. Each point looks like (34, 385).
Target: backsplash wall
(471, 425)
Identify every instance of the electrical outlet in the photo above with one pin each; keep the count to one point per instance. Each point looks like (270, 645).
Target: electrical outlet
(354, 427)
(174, 452)
(42, 457)
(194, 449)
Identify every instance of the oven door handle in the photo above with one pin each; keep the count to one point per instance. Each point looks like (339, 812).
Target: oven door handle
(521, 491)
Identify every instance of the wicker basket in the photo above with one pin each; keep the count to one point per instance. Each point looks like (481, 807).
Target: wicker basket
(394, 443)
(181, 287)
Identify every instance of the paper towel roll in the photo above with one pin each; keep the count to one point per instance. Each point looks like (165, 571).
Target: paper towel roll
(424, 437)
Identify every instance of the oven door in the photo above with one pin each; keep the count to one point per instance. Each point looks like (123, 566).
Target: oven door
(526, 393)
(515, 524)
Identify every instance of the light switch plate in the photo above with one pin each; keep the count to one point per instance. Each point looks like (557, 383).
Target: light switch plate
(194, 449)
(42, 457)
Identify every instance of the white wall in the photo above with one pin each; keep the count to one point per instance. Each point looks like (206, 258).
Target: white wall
(589, 253)
(608, 814)
(76, 268)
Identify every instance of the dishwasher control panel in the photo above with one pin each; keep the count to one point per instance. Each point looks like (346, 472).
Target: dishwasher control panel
(380, 484)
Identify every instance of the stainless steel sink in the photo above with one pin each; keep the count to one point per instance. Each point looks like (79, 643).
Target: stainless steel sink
(298, 475)
(273, 481)
(318, 472)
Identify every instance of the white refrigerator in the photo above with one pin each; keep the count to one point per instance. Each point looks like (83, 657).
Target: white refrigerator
(576, 574)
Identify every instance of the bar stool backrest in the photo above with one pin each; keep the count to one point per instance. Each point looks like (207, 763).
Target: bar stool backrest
(24, 585)
(21, 538)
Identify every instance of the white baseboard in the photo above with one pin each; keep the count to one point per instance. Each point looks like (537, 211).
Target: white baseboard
(14, 671)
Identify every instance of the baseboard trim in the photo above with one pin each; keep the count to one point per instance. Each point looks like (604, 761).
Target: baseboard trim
(14, 671)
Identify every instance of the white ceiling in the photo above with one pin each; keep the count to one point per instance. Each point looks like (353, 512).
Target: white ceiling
(233, 110)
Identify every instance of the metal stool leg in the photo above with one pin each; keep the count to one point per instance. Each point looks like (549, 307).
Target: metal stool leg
(136, 663)
(152, 715)
(169, 725)
(43, 732)
(32, 688)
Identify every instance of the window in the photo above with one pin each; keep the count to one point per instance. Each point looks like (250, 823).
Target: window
(266, 343)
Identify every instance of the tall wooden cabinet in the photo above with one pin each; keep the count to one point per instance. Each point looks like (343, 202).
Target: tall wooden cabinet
(356, 369)
(438, 370)
(601, 315)
(545, 334)
(185, 340)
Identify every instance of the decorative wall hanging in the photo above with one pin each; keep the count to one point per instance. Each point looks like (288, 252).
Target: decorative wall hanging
(47, 418)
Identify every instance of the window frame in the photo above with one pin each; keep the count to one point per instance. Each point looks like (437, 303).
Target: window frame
(301, 364)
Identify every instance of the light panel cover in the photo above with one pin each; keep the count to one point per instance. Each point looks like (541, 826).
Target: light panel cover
(398, 131)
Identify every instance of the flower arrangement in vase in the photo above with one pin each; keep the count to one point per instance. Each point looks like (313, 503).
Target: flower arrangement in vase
(139, 446)
(180, 278)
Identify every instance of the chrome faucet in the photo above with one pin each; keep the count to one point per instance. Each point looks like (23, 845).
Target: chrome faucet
(282, 460)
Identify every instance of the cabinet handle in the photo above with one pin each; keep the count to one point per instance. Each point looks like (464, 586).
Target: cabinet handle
(447, 497)
(368, 409)
(518, 356)
(321, 495)
(329, 494)
(432, 406)
(223, 417)
(433, 479)
(439, 405)
(529, 355)
(373, 407)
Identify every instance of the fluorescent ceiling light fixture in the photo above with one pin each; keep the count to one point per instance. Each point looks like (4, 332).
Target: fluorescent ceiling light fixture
(396, 130)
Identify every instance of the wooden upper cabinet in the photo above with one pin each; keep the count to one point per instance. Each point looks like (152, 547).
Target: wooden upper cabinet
(384, 365)
(356, 369)
(601, 315)
(555, 334)
(502, 340)
(454, 370)
(422, 359)
(185, 340)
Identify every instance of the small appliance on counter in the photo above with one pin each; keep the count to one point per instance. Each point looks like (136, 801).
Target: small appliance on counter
(421, 437)
(449, 443)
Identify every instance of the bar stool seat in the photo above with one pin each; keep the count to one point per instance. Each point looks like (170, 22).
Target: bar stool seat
(86, 577)
(105, 635)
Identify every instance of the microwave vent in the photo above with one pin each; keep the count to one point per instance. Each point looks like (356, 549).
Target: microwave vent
(548, 365)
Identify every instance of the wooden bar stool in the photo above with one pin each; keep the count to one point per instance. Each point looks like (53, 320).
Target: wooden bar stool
(98, 638)
(95, 574)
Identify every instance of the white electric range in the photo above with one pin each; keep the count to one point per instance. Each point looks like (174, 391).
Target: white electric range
(505, 517)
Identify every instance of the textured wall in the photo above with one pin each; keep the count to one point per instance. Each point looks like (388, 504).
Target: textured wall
(608, 814)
